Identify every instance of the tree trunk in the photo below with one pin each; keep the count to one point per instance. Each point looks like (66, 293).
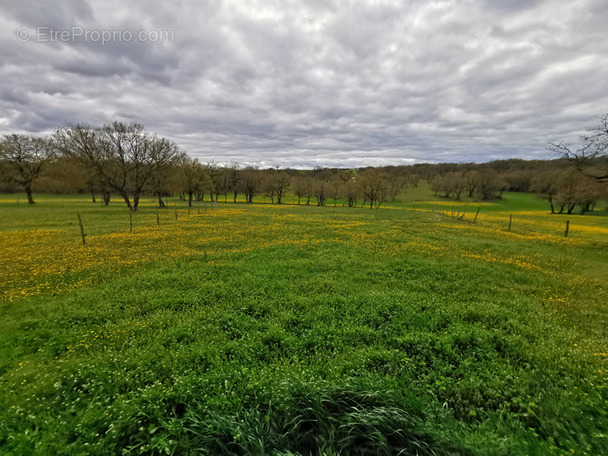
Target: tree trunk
(161, 203)
(235, 197)
(127, 201)
(106, 198)
(93, 197)
(135, 202)
(28, 191)
(190, 199)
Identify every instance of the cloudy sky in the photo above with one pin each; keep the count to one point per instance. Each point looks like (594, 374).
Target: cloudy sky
(319, 82)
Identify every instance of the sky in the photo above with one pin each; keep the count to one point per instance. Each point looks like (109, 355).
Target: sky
(312, 83)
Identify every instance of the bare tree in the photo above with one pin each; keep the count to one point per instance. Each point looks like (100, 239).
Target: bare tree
(300, 187)
(588, 193)
(215, 183)
(395, 185)
(65, 175)
(268, 186)
(449, 185)
(489, 183)
(164, 154)
(223, 182)
(160, 183)
(319, 190)
(334, 189)
(310, 188)
(592, 145)
(124, 156)
(234, 178)
(547, 184)
(250, 182)
(277, 185)
(351, 191)
(374, 187)
(470, 181)
(25, 157)
(190, 177)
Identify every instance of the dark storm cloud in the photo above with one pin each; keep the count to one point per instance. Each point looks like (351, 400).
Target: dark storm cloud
(326, 83)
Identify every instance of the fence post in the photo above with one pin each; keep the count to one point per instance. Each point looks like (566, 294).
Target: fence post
(476, 214)
(567, 228)
(510, 221)
(81, 229)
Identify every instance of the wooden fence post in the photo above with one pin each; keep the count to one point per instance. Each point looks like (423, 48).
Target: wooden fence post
(567, 228)
(81, 229)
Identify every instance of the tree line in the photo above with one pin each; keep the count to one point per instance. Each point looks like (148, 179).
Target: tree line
(125, 160)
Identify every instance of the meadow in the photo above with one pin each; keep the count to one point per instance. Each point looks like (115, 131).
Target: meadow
(267, 329)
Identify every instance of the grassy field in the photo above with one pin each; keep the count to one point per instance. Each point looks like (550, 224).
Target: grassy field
(264, 329)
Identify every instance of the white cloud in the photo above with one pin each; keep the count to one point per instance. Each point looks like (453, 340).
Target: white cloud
(327, 83)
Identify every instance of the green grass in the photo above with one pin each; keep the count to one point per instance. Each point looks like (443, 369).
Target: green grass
(258, 329)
